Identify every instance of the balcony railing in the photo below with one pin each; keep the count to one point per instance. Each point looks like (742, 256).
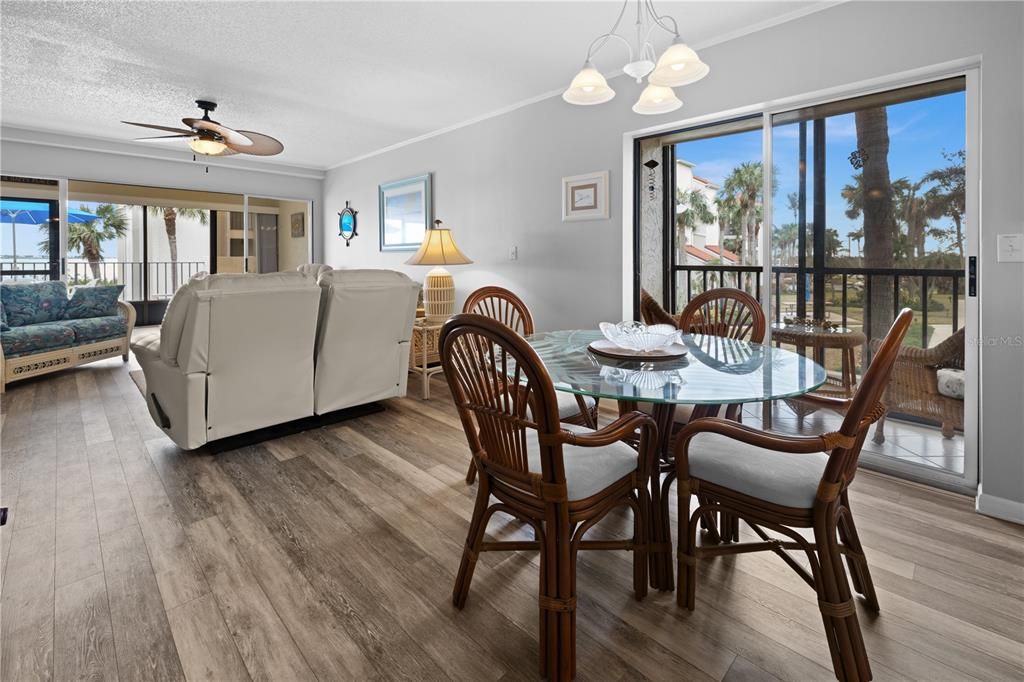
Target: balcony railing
(142, 281)
(846, 294)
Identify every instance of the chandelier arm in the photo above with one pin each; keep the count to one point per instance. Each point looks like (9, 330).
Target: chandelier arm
(612, 33)
(591, 51)
(658, 19)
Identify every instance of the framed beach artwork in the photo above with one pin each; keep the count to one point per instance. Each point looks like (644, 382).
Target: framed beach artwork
(585, 197)
(406, 209)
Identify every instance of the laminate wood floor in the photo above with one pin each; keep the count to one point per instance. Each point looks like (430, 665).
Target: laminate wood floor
(331, 555)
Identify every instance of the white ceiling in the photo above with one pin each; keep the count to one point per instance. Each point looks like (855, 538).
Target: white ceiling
(333, 81)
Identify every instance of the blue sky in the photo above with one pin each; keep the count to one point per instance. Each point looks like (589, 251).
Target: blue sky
(919, 131)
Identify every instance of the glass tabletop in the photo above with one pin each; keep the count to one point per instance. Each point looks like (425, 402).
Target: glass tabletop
(714, 371)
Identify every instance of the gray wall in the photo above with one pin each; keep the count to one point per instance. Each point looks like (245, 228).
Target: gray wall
(497, 181)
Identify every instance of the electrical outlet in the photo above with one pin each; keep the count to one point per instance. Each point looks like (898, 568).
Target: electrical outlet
(1010, 248)
(513, 253)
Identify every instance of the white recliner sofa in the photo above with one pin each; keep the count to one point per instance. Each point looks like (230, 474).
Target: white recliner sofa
(362, 348)
(236, 353)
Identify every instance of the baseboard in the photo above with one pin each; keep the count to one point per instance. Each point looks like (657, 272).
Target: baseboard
(242, 440)
(999, 507)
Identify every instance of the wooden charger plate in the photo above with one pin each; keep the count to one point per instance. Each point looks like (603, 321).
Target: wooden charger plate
(607, 349)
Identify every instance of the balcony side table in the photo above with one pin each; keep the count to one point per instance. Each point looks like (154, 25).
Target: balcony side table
(424, 354)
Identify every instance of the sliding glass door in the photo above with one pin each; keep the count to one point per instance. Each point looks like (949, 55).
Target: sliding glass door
(29, 229)
(869, 209)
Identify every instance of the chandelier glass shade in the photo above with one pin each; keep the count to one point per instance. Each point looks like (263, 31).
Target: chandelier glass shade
(588, 87)
(678, 65)
(657, 99)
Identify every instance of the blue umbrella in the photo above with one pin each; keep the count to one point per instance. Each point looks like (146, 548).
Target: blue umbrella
(38, 216)
(19, 213)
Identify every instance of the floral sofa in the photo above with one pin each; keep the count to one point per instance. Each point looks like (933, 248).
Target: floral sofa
(42, 330)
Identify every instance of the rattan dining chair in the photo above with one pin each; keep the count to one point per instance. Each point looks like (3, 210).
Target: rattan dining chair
(730, 313)
(504, 306)
(782, 483)
(561, 479)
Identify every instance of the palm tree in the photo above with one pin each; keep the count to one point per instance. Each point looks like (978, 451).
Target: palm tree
(170, 216)
(875, 202)
(87, 237)
(950, 200)
(696, 212)
(743, 186)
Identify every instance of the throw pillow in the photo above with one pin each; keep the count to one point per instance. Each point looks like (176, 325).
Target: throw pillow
(33, 302)
(93, 301)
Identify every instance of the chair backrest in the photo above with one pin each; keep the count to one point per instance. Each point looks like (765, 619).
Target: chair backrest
(651, 311)
(313, 269)
(501, 305)
(731, 313)
(362, 345)
(865, 407)
(505, 399)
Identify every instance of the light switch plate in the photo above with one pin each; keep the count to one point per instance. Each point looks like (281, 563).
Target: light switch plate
(1010, 248)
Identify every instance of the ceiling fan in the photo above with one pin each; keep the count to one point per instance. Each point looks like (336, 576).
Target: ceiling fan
(210, 138)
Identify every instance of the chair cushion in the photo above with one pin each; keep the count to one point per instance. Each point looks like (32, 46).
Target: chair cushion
(3, 317)
(777, 477)
(567, 405)
(36, 338)
(34, 302)
(588, 471)
(93, 302)
(951, 382)
(92, 329)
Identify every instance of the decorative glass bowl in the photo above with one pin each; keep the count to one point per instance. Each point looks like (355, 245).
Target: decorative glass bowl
(640, 337)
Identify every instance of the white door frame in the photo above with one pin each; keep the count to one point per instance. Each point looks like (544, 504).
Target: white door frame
(309, 222)
(970, 67)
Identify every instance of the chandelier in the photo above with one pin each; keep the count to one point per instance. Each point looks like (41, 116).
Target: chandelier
(678, 65)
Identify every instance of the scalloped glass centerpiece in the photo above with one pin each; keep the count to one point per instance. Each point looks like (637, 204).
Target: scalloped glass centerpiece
(637, 336)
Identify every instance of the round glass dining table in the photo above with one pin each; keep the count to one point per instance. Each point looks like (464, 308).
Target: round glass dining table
(714, 372)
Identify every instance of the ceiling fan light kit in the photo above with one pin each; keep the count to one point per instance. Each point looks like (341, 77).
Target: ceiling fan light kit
(678, 65)
(210, 138)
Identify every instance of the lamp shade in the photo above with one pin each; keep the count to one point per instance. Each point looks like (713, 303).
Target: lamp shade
(657, 99)
(678, 65)
(588, 87)
(438, 248)
(202, 145)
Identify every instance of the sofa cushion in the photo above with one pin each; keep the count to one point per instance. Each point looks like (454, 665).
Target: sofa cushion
(93, 302)
(174, 318)
(36, 338)
(34, 302)
(951, 382)
(92, 329)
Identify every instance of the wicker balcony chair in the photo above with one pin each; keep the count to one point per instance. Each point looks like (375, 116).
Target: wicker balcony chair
(561, 479)
(914, 388)
(783, 483)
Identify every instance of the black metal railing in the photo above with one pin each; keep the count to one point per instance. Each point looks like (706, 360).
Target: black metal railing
(845, 290)
(142, 281)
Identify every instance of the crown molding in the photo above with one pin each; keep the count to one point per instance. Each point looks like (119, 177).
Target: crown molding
(102, 145)
(723, 38)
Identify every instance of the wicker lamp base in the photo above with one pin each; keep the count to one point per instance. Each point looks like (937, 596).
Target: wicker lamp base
(439, 295)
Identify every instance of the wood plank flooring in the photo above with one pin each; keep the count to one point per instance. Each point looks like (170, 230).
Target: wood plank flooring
(331, 555)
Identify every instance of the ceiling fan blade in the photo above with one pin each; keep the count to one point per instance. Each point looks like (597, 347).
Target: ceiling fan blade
(262, 145)
(165, 137)
(156, 127)
(229, 135)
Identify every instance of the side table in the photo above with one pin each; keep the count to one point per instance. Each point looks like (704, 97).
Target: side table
(424, 354)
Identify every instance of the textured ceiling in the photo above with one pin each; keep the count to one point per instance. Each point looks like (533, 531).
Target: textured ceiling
(333, 81)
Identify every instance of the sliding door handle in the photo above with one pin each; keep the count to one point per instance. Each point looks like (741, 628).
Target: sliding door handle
(972, 276)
